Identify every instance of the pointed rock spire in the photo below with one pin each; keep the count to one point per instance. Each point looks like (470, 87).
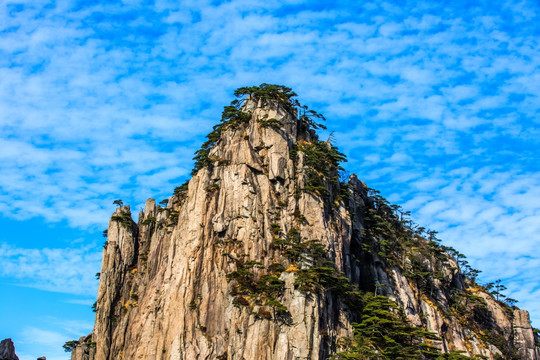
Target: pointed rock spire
(7, 350)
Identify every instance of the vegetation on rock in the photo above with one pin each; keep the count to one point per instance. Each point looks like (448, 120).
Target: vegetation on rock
(322, 166)
(70, 345)
(262, 275)
(123, 218)
(383, 332)
(233, 116)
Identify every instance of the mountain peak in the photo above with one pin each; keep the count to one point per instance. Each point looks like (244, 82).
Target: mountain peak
(267, 253)
(257, 111)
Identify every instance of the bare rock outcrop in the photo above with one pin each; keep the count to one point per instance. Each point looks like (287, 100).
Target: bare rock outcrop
(232, 267)
(85, 350)
(7, 350)
(524, 337)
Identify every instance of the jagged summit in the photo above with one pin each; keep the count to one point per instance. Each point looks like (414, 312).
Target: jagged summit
(265, 254)
(271, 106)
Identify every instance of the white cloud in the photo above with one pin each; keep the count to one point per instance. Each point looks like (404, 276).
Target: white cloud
(437, 105)
(36, 341)
(42, 337)
(86, 302)
(70, 270)
(491, 216)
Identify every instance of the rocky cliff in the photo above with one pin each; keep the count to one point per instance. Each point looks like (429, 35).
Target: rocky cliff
(268, 253)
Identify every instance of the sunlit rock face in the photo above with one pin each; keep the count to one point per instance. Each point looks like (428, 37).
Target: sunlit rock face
(170, 288)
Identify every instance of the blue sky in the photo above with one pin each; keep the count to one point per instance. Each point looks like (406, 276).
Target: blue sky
(436, 104)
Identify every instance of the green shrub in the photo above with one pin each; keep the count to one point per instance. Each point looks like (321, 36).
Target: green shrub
(267, 286)
(181, 191)
(276, 268)
(173, 217)
(150, 220)
(124, 218)
(231, 118)
(70, 345)
(275, 229)
(384, 333)
(272, 123)
(322, 166)
(293, 152)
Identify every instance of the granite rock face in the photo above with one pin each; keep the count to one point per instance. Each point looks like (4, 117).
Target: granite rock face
(165, 288)
(85, 350)
(524, 337)
(7, 350)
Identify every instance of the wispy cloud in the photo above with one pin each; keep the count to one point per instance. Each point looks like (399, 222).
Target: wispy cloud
(70, 270)
(489, 214)
(436, 103)
(39, 342)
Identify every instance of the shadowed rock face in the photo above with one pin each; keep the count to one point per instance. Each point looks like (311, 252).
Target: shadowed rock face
(7, 350)
(164, 292)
